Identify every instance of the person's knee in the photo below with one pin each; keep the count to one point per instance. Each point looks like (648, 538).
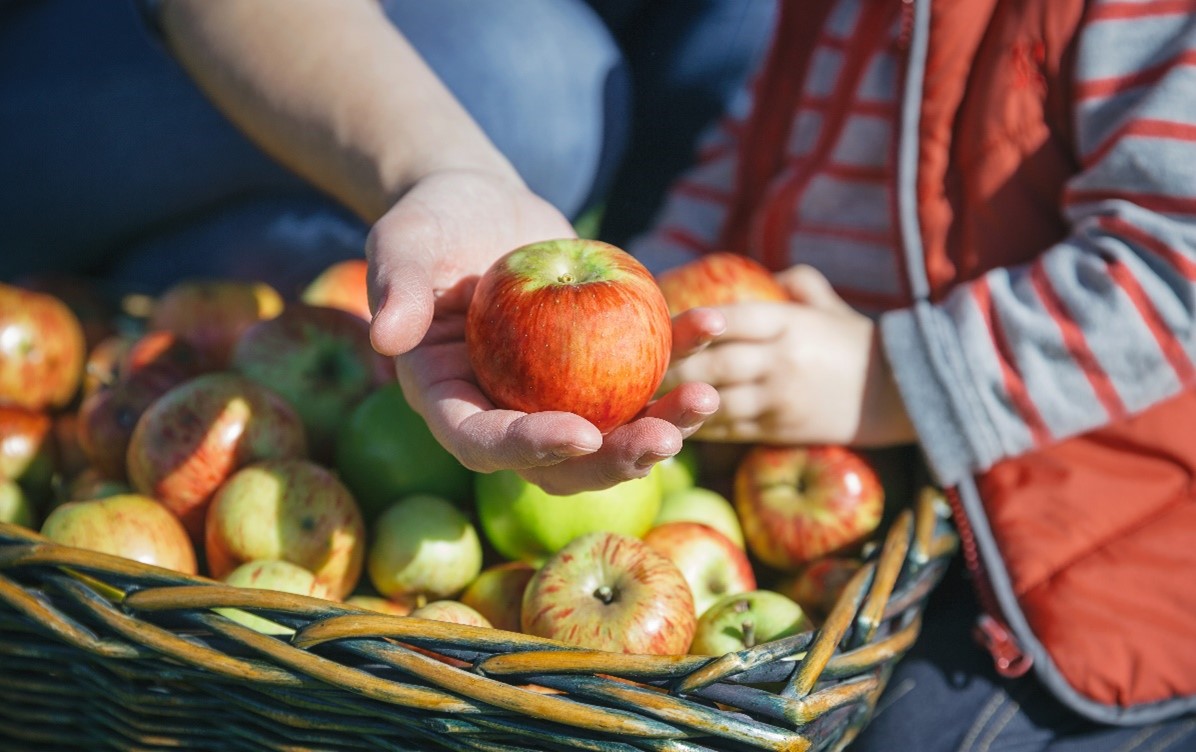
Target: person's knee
(544, 79)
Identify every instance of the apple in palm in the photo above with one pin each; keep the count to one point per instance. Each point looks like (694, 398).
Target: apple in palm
(341, 285)
(497, 593)
(211, 314)
(289, 509)
(711, 563)
(42, 350)
(571, 325)
(797, 504)
(320, 359)
(193, 437)
(744, 620)
(704, 505)
(385, 451)
(523, 521)
(606, 591)
(129, 525)
(423, 545)
(718, 278)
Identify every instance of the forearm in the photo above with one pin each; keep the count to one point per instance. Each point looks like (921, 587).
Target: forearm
(332, 90)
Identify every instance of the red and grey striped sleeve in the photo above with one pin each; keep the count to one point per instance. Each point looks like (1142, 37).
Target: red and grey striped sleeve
(696, 209)
(1102, 325)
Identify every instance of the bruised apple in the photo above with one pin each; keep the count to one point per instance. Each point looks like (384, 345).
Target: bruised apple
(799, 503)
(289, 509)
(718, 279)
(572, 325)
(129, 525)
(193, 437)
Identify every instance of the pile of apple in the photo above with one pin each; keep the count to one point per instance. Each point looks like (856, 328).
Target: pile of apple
(221, 430)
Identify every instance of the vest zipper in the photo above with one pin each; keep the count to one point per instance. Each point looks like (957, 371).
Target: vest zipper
(991, 629)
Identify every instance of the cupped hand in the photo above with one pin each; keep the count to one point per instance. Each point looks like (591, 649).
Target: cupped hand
(425, 257)
(806, 372)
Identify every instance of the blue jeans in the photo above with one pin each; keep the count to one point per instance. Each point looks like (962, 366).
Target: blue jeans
(945, 696)
(114, 164)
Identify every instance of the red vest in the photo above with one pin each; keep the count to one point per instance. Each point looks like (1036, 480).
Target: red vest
(1086, 549)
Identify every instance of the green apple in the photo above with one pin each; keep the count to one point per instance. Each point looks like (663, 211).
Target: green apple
(270, 574)
(423, 545)
(385, 452)
(454, 612)
(679, 471)
(744, 620)
(524, 522)
(698, 504)
(15, 506)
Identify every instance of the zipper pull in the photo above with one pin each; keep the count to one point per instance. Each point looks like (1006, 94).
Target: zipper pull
(1008, 657)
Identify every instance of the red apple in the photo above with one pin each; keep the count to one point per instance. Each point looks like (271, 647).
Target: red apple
(497, 593)
(42, 350)
(211, 314)
(319, 359)
(797, 504)
(150, 366)
(27, 450)
(718, 279)
(818, 585)
(289, 509)
(454, 612)
(423, 545)
(193, 437)
(607, 591)
(130, 525)
(94, 309)
(572, 325)
(744, 620)
(711, 562)
(342, 285)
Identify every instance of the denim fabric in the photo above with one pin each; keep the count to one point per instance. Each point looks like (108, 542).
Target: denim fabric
(944, 696)
(109, 152)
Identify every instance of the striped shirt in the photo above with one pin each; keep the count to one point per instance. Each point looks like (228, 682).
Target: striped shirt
(1097, 327)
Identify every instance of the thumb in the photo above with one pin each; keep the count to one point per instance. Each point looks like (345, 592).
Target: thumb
(402, 301)
(806, 284)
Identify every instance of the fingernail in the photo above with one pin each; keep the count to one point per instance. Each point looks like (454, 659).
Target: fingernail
(648, 459)
(691, 418)
(567, 451)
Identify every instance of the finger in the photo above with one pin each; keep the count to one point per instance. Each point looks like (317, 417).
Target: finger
(741, 405)
(402, 300)
(806, 284)
(628, 452)
(696, 328)
(725, 363)
(486, 439)
(687, 407)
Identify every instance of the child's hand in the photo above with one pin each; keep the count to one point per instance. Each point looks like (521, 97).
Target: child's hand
(806, 372)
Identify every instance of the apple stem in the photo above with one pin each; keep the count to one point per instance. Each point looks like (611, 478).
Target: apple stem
(605, 594)
(749, 634)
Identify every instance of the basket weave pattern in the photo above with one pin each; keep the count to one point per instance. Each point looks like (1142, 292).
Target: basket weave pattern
(99, 652)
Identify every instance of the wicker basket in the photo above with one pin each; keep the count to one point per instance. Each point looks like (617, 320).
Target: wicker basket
(99, 652)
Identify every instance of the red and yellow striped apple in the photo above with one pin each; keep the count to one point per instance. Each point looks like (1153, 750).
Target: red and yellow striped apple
(573, 325)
